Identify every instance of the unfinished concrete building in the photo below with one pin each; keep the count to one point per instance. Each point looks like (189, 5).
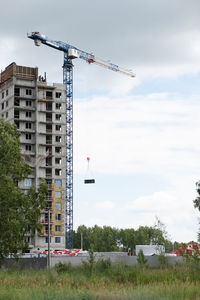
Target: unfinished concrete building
(38, 110)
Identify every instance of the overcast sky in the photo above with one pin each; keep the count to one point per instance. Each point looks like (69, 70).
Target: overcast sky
(142, 133)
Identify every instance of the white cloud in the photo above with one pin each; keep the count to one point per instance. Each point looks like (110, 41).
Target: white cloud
(153, 134)
(159, 201)
(174, 210)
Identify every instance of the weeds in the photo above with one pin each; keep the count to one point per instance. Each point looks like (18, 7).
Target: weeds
(163, 262)
(105, 281)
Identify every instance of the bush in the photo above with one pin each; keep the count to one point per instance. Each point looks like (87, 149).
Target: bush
(141, 259)
(89, 265)
(63, 268)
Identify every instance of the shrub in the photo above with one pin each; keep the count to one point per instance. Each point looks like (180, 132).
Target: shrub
(63, 268)
(90, 264)
(141, 259)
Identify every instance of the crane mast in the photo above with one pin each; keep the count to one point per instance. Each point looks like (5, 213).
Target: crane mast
(70, 53)
(68, 81)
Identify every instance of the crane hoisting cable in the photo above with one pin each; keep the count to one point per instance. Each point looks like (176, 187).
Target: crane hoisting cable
(70, 53)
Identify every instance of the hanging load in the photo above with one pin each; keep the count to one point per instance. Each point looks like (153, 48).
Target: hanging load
(88, 180)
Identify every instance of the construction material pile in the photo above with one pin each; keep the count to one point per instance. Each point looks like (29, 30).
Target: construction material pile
(66, 252)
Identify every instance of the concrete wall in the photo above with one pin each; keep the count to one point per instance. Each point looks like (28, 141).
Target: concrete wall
(26, 263)
(41, 263)
(128, 260)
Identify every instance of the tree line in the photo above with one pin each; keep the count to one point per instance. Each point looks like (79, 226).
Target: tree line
(106, 238)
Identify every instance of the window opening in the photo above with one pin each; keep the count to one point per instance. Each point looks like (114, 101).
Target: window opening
(58, 95)
(58, 105)
(58, 149)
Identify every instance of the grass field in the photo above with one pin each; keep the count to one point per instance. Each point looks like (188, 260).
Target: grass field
(102, 281)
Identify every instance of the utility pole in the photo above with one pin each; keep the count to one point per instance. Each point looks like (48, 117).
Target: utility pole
(49, 236)
(81, 240)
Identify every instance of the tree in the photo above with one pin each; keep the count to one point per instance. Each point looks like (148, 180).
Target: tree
(86, 235)
(127, 238)
(19, 212)
(197, 202)
(100, 239)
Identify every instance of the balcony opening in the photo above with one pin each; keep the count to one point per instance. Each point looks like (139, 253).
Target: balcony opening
(17, 91)
(48, 117)
(48, 161)
(48, 172)
(48, 127)
(17, 124)
(49, 205)
(49, 95)
(46, 229)
(48, 150)
(49, 183)
(16, 102)
(49, 139)
(16, 114)
(46, 217)
(49, 106)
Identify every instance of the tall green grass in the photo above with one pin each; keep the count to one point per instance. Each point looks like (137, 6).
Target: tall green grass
(102, 281)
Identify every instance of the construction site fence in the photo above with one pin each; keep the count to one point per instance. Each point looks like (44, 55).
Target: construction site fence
(152, 261)
(41, 262)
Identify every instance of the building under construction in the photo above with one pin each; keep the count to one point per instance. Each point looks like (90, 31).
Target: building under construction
(38, 110)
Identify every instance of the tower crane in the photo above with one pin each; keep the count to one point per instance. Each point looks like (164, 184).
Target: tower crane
(70, 53)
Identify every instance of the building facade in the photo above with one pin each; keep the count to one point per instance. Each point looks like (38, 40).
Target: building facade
(38, 110)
